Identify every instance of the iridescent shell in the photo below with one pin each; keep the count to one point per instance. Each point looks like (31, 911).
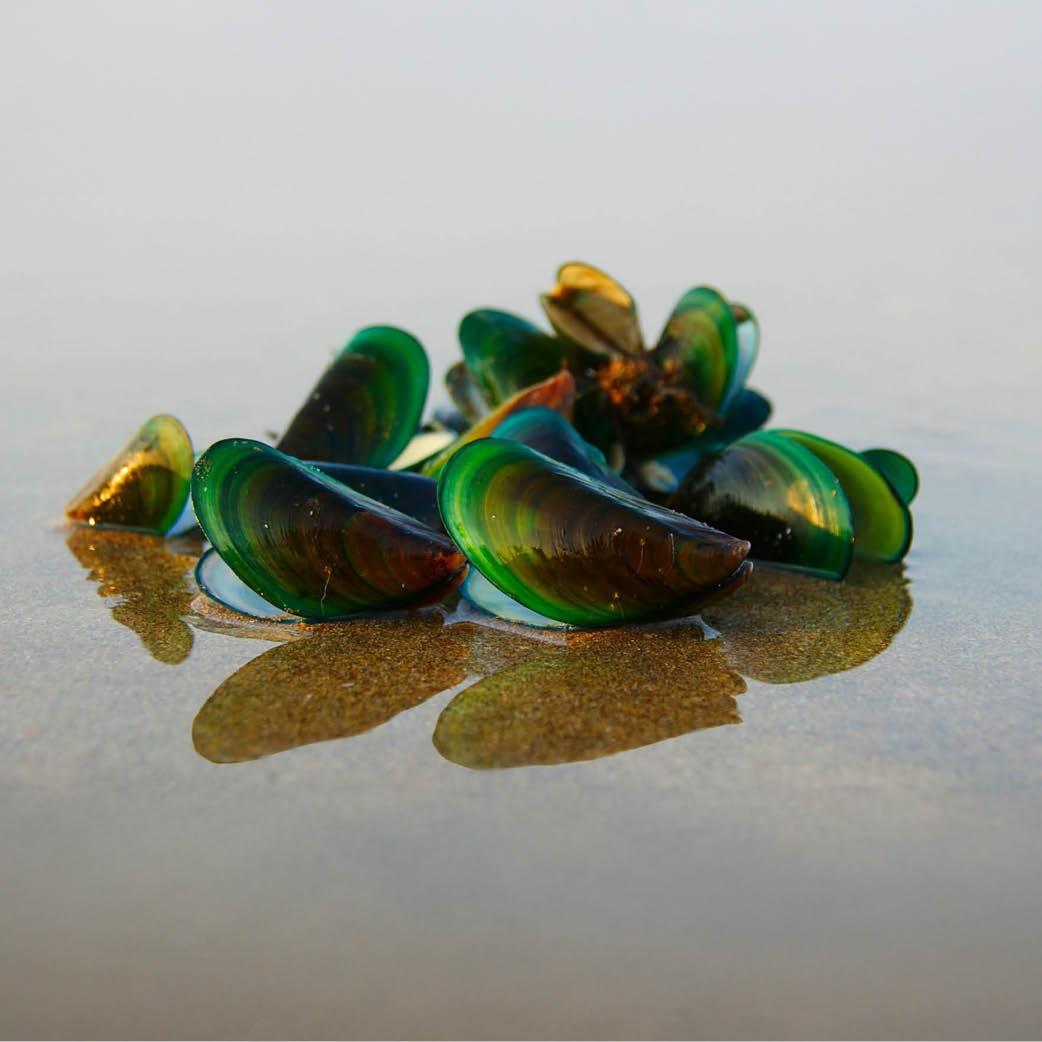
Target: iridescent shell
(776, 494)
(505, 354)
(575, 549)
(897, 469)
(557, 393)
(882, 523)
(466, 393)
(801, 500)
(661, 475)
(310, 545)
(411, 494)
(366, 405)
(551, 434)
(699, 346)
(590, 310)
(144, 486)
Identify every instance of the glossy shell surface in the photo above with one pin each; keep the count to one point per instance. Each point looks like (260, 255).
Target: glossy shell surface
(590, 310)
(144, 486)
(310, 545)
(777, 494)
(366, 405)
(882, 524)
(574, 549)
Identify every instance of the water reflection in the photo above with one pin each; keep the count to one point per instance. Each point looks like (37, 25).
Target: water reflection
(339, 681)
(587, 696)
(604, 693)
(151, 578)
(781, 628)
(593, 695)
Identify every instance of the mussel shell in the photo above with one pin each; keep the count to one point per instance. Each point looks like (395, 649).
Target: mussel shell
(897, 469)
(551, 434)
(367, 404)
(779, 496)
(699, 347)
(882, 524)
(144, 486)
(222, 585)
(591, 310)
(662, 474)
(448, 418)
(506, 354)
(574, 549)
(748, 331)
(310, 545)
(482, 594)
(556, 392)
(466, 394)
(411, 494)
(422, 447)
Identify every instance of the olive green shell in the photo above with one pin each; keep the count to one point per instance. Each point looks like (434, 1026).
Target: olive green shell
(366, 405)
(573, 548)
(309, 544)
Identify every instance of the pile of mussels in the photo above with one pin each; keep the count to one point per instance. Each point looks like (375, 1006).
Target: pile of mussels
(582, 479)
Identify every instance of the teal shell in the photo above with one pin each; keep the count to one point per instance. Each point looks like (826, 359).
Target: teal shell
(505, 353)
(309, 544)
(699, 345)
(778, 495)
(882, 524)
(366, 405)
(550, 433)
(573, 548)
(897, 469)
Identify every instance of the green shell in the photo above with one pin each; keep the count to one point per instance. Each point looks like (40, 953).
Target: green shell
(367, 404)
(410, 494)
(748, 332)
(699, 346)
(779, 496)
(506, 354)
(557, 392)
(489, 598)
(897, 469)
(310, 545)
(551, 434)
(465, 392)
(144, 486)
(882, 524)
(574, 549)
(662, 474)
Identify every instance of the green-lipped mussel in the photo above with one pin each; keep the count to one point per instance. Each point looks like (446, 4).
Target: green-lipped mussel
(310, 545)
(632, 402)
(410, 494)
(542, 475)
(143, 487)
(575, 549)
(802, 501)
(556, 392)
(367, 404)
